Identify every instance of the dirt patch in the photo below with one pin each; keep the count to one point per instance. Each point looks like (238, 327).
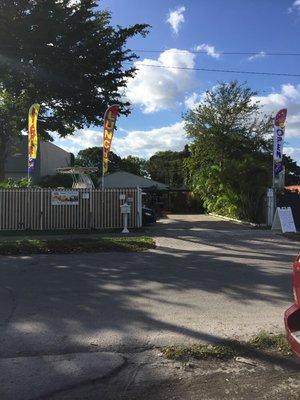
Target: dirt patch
(149, 376)
(244, 385)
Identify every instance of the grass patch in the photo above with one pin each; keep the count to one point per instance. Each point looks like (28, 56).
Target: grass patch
(229, 349)
(266, 341)
(66, 232)
(46, 246)
(199, 351)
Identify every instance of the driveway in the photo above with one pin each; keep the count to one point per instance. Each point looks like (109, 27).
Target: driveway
(208, 279)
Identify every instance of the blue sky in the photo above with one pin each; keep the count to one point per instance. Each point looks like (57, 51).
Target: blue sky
(160, 96)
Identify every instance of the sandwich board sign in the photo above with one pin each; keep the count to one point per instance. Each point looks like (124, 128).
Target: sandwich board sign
(284, 220)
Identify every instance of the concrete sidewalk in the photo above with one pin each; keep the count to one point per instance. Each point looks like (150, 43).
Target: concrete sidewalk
(26, 378)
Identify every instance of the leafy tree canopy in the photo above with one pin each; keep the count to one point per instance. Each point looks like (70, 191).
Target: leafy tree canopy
(231, 164)
(92, 157)
(66, 56)
(168, 167)
(135, 165)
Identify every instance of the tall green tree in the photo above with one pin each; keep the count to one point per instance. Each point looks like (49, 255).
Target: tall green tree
(11, 123)
(135, 165)
(230, 165)
(92, 157)
(168, 167)
(66, 56)
(292, 171)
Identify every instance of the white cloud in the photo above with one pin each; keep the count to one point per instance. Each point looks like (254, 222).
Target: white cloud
(176, 18)
(288, 97)
(157, 88)
(80, 140)
(142, 143)
(71, 3)
(146, 143)
(261, 54)
(210, 50)
(293, 152)
(291, 91)
(192, 100)
(294, 6)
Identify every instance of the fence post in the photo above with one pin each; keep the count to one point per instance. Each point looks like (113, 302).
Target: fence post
(42, 210)
(91, 225)
(270, 206)
(1, 208)
(139, 207)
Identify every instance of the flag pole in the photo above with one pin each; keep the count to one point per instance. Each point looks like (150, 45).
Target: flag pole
(102, 183)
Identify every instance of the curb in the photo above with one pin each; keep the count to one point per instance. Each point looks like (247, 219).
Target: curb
(252, 224)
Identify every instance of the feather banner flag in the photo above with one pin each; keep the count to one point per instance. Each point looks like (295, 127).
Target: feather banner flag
(110, 118)
(32, 137)
(279, 130)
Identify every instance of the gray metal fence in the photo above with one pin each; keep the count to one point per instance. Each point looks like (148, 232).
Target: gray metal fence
(34, 209)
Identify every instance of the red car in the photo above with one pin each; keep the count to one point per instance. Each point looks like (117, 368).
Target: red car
(292, 314)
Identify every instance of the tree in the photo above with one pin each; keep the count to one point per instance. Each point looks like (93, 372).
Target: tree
(292, 171)
(230, 165)
(11, 124)
(92, 157)
(66, 56)
(168, 167)
(135, 165)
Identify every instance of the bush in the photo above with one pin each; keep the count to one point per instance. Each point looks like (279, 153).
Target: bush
(14, 183)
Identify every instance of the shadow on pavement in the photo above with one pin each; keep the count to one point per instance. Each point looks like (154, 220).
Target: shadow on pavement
(89, 302)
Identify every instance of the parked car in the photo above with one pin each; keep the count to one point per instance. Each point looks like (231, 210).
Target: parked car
(292, 314)
(148, 215)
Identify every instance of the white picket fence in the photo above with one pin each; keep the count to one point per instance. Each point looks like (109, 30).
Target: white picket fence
(33, 209)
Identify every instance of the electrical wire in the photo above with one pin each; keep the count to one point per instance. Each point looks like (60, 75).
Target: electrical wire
(178, 51)
(239, 53)
(137, 63)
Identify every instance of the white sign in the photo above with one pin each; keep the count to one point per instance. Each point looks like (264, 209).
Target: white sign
(284, 220)
(64, 198)
(85, 195)
(122, 197)
(125, 209)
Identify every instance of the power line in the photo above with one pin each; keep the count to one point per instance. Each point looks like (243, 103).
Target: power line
(216, 70)
(239, 53)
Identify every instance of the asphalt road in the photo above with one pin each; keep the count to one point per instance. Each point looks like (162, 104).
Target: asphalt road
(208, 279)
